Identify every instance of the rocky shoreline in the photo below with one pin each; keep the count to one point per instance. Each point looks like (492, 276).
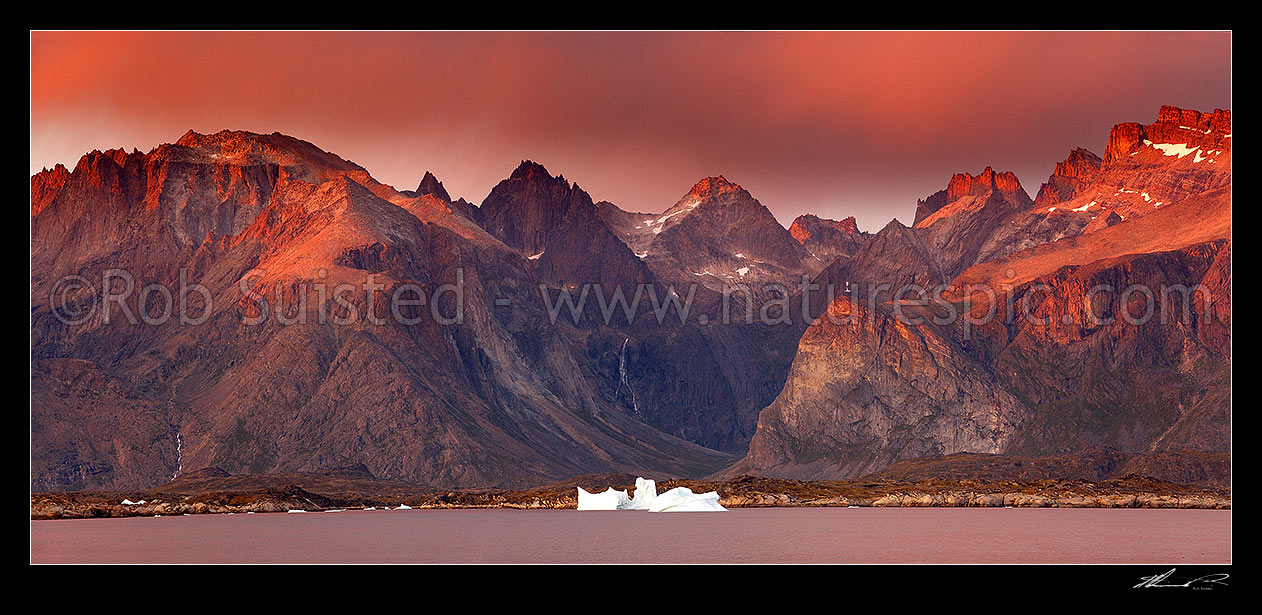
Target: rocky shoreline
(255, 495)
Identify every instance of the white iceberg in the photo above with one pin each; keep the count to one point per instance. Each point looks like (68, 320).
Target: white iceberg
(645, 494)
(404, 507)
(127, 502)
(682, 499)
(609, 500)
(679, 499)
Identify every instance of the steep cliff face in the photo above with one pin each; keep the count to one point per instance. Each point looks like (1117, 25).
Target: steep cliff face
(1103, 371)
(582, 250)
(1077, 369)
(1072, 375)
(868, 389)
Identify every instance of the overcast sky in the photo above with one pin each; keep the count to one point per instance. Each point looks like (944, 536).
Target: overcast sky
(832, 123)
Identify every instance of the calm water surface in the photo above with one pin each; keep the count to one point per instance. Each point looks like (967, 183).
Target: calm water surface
(767, 535)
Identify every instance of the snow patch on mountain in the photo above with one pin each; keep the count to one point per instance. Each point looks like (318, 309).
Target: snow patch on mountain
(1174, 149)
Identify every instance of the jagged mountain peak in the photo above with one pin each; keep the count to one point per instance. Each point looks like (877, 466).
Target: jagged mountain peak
(824, 239)
(430, 185)
(713, 186)
(714, 191)
(1070, 176)
(1080, 162)
(529, 169)
(966, 184)
(227, 139)
(893, 227)
(524, 209)
(93, 159)
(1218, 119)
(45, 185)
(57, 170)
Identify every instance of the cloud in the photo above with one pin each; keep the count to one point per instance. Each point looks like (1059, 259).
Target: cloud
(840, 124)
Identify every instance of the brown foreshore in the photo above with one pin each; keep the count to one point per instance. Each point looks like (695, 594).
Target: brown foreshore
(220, 494)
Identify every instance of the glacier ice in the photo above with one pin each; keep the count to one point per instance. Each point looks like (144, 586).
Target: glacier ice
(679, 499)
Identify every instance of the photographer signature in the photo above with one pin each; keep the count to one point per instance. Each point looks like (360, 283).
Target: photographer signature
(1204, 582)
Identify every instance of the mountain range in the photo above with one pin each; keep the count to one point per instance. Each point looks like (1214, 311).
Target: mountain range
(294, 352)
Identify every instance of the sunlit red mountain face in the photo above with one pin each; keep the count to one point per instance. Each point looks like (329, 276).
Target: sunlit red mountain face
(250, 300)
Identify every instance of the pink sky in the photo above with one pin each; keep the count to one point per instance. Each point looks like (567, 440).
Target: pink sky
(832, 123)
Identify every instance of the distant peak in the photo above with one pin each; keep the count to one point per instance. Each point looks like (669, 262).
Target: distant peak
(430, 185)
(1191, 118)
(964, 184)
(967, 184)
(807, 226)
(1069, 177)
(58, 169)
(243, 147)
(712, 186)
(846, 225)
(894, 226)
(195, 139)
(529, 168)
(1080, 163)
